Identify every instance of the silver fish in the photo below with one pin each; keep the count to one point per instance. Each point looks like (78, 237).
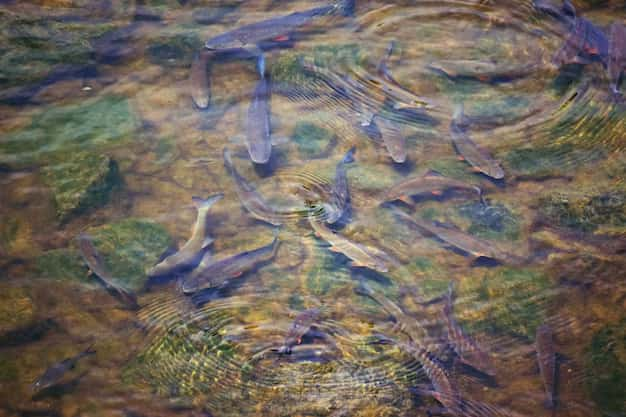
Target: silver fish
(199, 81)
(219, 273)
(476, 157)
(546, 357)
(617, 54)
(94, 261)
(392, 138)
(431, 182)
(55, 373)
(190, 253)
(340, 193)
(249, 196)
(258, 124)
(299, 327)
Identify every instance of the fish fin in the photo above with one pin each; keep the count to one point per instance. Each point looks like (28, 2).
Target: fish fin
(483, 78)
(357, 264)
(407, 200)
(280, 140)
(237, 274)
(476, 169)
(460, 158)
(201, 203)
(281, 38)
(334, 249)
(436, 192)
(432, 173)
(207, 242)
(349, 156)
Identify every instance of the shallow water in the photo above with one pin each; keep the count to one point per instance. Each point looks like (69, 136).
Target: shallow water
(100, 135)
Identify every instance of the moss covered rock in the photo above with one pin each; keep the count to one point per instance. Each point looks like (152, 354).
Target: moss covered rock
(64, 265)
(82, 182)
(491, 222)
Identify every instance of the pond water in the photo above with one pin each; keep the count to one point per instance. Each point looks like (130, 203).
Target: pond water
(414, 208)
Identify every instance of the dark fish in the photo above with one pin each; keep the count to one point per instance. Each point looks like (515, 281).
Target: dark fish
(96, 264)
(276, 28)
(465, 347)
(300, 326)
(393, 139)
(199, 81)
(431, 182)
(219, 273)
(340, 193)
(617, 54)
(475, 156)
(54, 373)
(191, 252)
(546, 357)
(248, 195)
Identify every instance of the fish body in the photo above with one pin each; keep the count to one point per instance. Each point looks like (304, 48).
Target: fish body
(480, 70)
(361, 255)
(546, 357)
(393, 139)
(207, 259)
(199, 80)
(585, 43)
(465, 347)
(191, 252)
(617, 54)
(55, 373)
(300, 326)
(94, 261)
(340, 193)
(430, 183)
(249, 196)
(219, 273)
(475, 156)
(258, 129)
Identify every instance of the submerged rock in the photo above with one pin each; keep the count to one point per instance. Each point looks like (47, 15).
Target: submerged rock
(491, 222)
(83, 182)
(63, 265)
(312, 141)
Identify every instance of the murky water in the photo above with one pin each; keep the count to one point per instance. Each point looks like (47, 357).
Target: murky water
(436, 222)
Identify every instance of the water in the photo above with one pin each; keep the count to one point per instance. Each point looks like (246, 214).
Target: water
(100, 136)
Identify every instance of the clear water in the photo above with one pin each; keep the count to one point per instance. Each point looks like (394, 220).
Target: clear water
(99, 135)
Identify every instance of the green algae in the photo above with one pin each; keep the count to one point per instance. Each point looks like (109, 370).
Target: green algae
(16, 309)
(311, 140)
(64, 264)
(325, 275)
(491, 222)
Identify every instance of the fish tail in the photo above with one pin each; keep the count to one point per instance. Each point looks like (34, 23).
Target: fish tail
(349, 157)
(202, 203)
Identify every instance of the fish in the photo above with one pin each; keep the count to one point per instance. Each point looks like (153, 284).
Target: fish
(340, 193)
(617, 54)
(464, 146)
(249, 196)
(392, 138)
(431, 182)
(464, 346)
(474, 246)
(360, 255)
(94, 261)
(188, 256)
(219, 273)
(248, 36)
(55, 372)
(207, 259)
(484, 71)
(546, 357)
(258, 126)
(299, 327)
(199, 80)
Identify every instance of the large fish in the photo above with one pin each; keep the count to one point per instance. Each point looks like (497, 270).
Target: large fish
(393, 138)
(217, 274)
(474, 246)
(431, 182)
(199, 80)
(249, 196)
(617, 54)
(94, 261)
(258, 123)
(546, 357)
(361, 255)
(191, 252)
(55, 373)
(250, 35)
(475, 156)
(465, 347)
(299, 327)
(340, 193)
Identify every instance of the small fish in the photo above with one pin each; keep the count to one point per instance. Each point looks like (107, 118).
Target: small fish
(617, 54)
(489, 72)
(546, 357)
(275, 28)
(55, 373)
(361, 255)
(249, 196)
(199, 80)
(478, 248)
(465, 147)
(340, 193)
(392, 138)
(190, 253)
(94, 261)
(300, 326)
(465, 347)
(219, 273)
(258, 124)
(431, 182)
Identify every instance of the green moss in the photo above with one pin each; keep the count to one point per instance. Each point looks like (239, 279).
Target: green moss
(311, 139)
(82, 182)
(606, 367)
(64, 265)
(56, 133)
(16, 308)
(491, 222)
(329, 271)
(8, 232)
